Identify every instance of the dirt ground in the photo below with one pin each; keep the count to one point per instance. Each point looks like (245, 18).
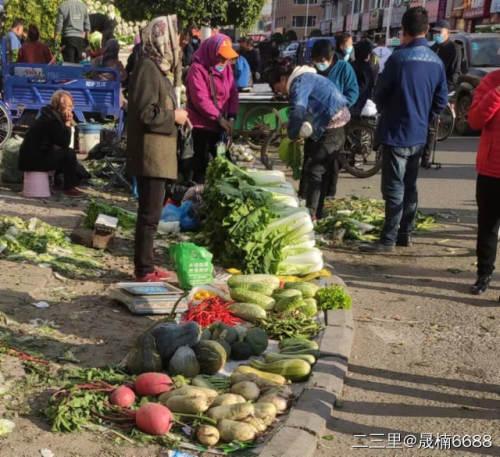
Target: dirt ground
(426, 356)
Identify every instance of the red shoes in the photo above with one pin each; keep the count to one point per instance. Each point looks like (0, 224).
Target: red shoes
(159, 275)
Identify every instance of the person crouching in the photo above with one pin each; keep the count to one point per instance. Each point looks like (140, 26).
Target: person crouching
(46, 146)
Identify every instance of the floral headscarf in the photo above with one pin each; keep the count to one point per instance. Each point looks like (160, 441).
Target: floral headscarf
(160, 43)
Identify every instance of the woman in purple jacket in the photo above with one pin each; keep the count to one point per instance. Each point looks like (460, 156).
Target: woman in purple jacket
(212, 101)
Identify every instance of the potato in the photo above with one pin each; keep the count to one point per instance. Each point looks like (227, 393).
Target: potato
(187, 405)
(235, 431)
(266, 412)
(280, 403)
(246, 389)
(228, 399)
(256, 423)
(236, 412)
(207, 435)
(190, 392)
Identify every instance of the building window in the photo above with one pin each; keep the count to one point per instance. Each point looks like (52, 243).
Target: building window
(303, 2)
(300, 21)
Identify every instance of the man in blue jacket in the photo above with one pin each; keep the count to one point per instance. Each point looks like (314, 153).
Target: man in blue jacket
(410, 93)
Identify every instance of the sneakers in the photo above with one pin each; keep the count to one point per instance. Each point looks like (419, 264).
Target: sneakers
(377, 248)
(159, 275)
(74, 193)
(481, 285)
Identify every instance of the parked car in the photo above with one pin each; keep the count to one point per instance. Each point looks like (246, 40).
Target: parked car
(480, 56)
(291, 50)
(305, 48)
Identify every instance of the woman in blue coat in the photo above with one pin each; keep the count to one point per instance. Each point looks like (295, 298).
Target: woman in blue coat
(318, 113)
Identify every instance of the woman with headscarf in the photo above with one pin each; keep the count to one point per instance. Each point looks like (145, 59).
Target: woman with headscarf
(212, 101)
(152, 135)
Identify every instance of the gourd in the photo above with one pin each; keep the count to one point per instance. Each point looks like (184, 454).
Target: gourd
(308, 289)
(248, 296)
(211, 356)
(248, 311)
(231, 430)
(274, 356)
(184, 363)
(236, 280)
(144, 356)
(238, 411)
(269, 377)
(241, 350)
(169, 337)
(293, 369)
(257, 339)
(303, 343)
(248, 390)
(288, 304)
(226, 346)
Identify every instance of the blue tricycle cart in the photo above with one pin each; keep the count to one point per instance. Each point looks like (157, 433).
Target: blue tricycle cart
(26, 88)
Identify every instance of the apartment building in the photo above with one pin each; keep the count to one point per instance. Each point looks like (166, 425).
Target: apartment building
(302, 16)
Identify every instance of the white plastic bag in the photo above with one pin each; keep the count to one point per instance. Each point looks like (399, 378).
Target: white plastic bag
(370, 109)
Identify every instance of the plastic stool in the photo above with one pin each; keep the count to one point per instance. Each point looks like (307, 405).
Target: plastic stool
(36, 184)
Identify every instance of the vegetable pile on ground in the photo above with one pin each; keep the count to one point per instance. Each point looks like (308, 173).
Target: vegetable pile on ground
(126, 219)
(253, 222)
(360, 219)
(42, 244)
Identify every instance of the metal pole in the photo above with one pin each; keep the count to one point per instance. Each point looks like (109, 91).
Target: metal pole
(307, 18)
(389, 20)
(352, 16)
(273, 26)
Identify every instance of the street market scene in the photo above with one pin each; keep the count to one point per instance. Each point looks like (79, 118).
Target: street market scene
(260, 228)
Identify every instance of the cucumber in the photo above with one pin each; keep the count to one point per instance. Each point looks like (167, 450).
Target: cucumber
(247, 296)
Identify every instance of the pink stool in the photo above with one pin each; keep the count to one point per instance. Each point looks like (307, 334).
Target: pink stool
(36, 184)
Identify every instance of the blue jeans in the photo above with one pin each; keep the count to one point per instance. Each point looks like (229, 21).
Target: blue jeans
(399, 189)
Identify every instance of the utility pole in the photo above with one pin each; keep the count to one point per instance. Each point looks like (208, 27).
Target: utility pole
(389, 20)
(307, 19)
(352, 16)
(273, 26)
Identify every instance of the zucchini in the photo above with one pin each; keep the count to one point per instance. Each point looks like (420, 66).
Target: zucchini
(247, 296)
(303, 343)
(274, 356)
(236, 280)
(300, 351)
(248, 311)
(269, 377)
(293, 369)
(308, 289)
(288, 304)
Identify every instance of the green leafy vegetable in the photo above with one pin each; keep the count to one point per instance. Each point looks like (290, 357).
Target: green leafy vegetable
(126, 219)
(333, 297)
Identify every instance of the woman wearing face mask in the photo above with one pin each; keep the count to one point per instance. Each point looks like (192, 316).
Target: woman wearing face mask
(212, 101)
(344, 47)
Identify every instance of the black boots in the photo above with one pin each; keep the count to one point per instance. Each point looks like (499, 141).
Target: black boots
(481, 285)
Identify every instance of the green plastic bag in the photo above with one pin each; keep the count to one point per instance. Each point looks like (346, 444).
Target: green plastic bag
(193, 264)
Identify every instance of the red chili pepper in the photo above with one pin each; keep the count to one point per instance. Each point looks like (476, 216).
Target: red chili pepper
(209, 311)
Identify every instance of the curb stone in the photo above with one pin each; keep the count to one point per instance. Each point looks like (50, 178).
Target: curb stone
(307, 420)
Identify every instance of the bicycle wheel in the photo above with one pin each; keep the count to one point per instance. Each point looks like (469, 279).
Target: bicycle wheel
(360, 159)
(5, 125)
(257, 125)
(446, 123)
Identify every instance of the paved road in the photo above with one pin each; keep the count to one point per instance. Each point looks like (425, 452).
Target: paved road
(426, 356)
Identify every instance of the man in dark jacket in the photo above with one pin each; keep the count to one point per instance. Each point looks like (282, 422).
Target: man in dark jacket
(448, 51)
(252, 55)
(409, 94)
(46, 145)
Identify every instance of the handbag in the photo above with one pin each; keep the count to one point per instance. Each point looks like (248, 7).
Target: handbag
(185, 146)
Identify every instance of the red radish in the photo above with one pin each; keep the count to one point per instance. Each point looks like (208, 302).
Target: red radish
(153, 419)
(152, 384)
(123, 396)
